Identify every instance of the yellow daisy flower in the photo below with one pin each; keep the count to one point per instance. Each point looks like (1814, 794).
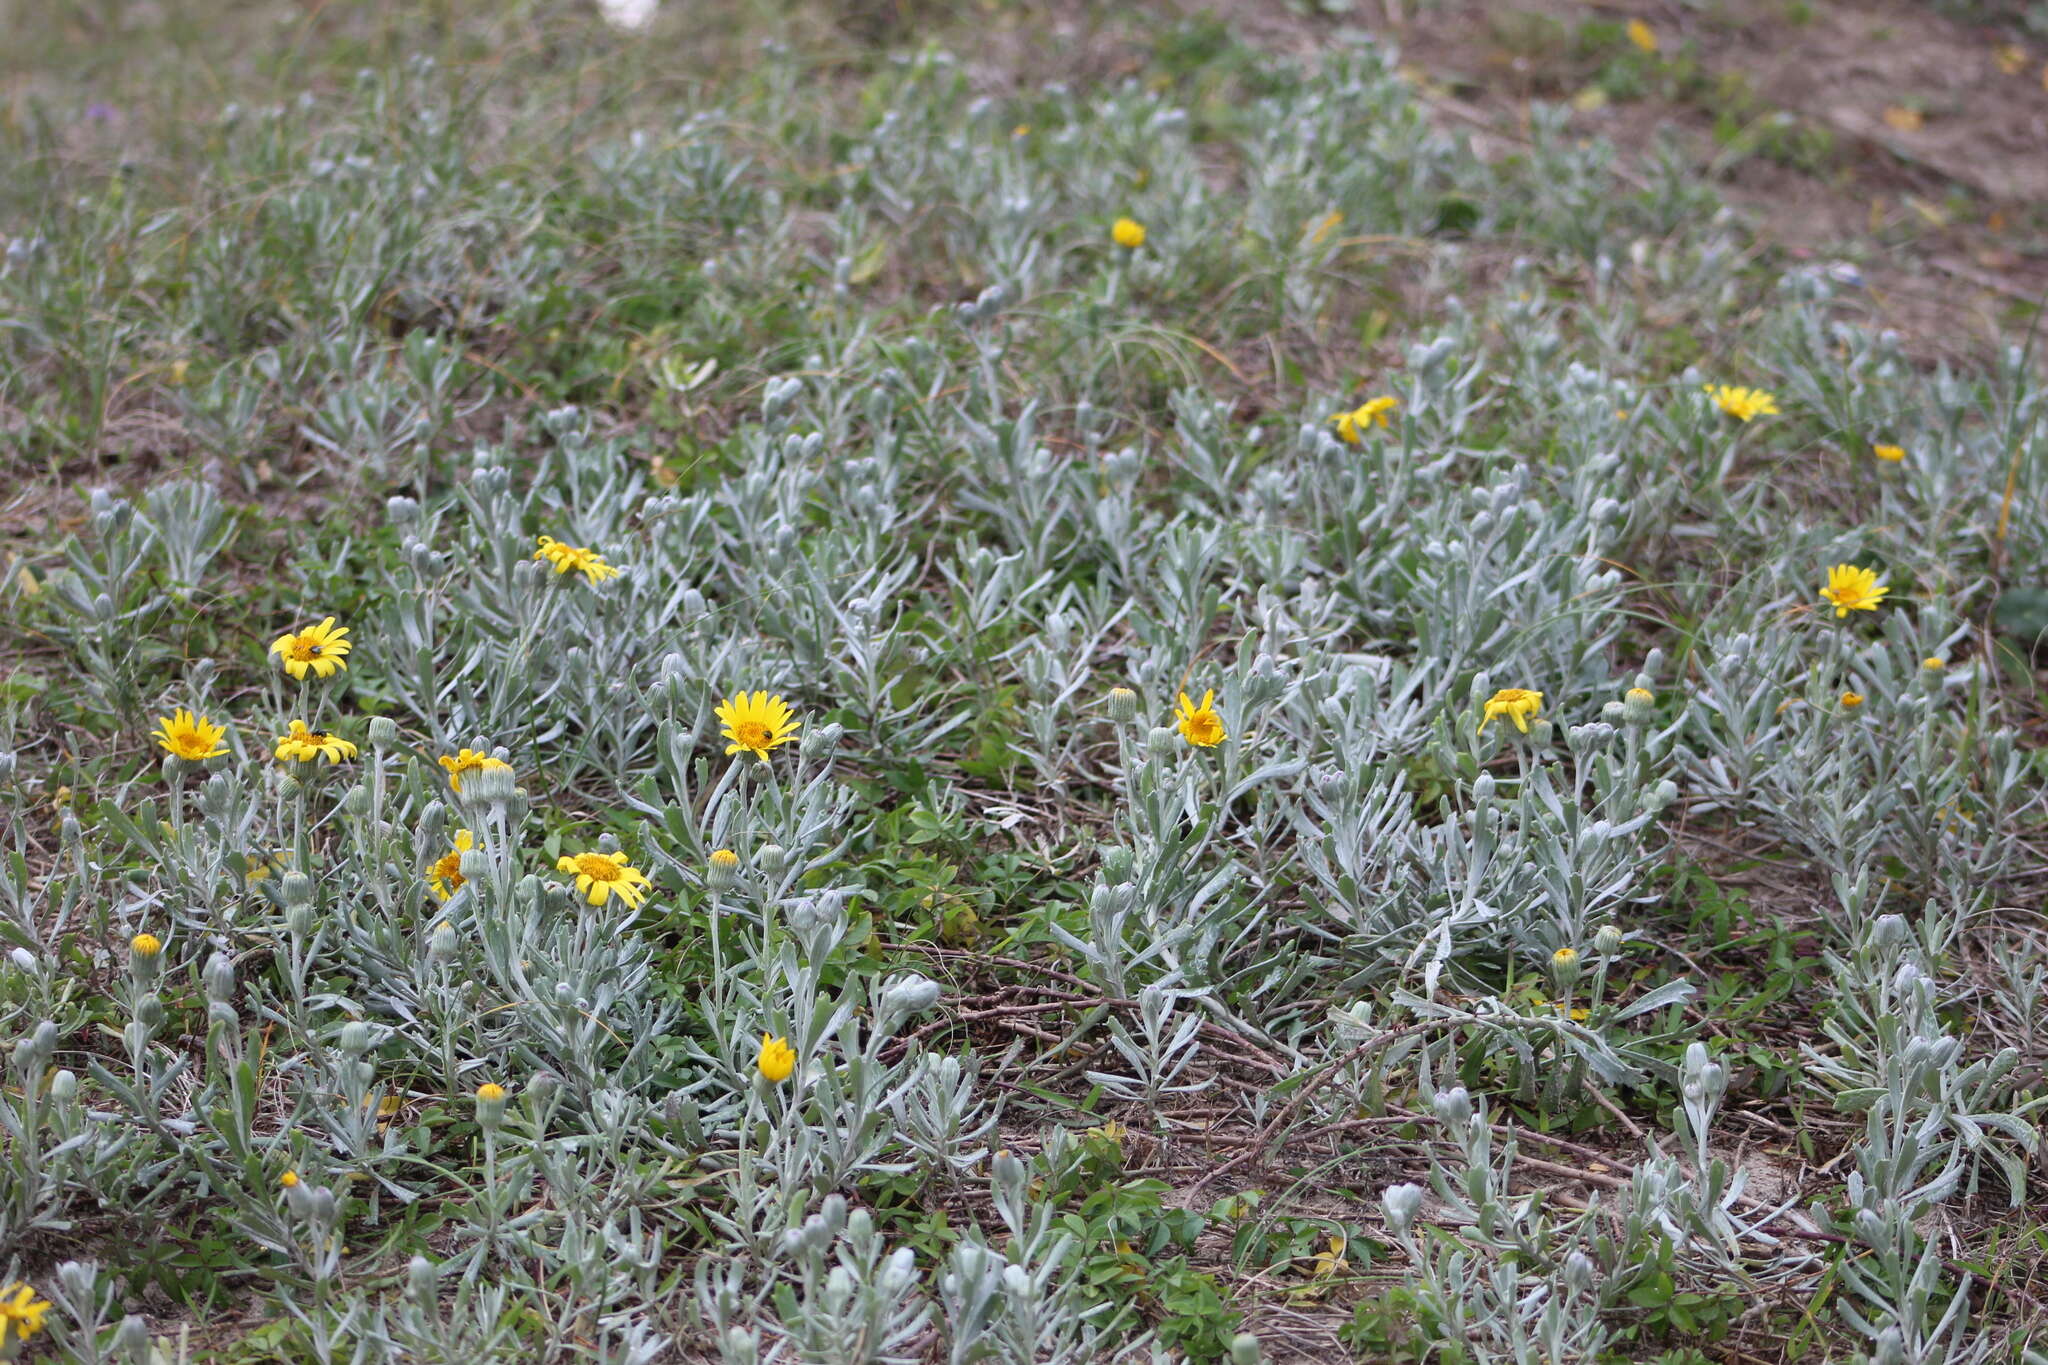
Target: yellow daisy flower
(755, 724)
(1518, 704)
(445, 876)
(1127, 233)
(575, 559)
(187, 736)
(303, 745)
(469, 761)
(1200, 725)
(21, 1315)
(1852, 588)
(1744, 405)
(1352, 426)
(776, 1060)
(600, 876)
(320, 648)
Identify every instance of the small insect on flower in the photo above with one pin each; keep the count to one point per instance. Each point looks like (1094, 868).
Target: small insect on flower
(1352, 426)
(755, 723)
(1518, 704)
(188, 736)
(469, 761)
(1890, 454)
(445, 875)
(1127, 233)
(776, 1059)
(1200, 725)
(1744, 405)
(1851, 588)
(303, 745)
(600, 876)
(575, 559)
(320, 648)
(1642, 35)
(21, 1316)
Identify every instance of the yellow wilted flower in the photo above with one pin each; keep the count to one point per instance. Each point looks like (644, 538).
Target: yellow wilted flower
(303, 745)
(776, 1059)
(600, 876)
(1352, 426)
(1642, 35)
(469, 761)
(755, 724)
(1851, 700)
(1200, 725)
(1518, 704)
(445, 876)
(189, 736)
(1852, 588)
(320, 648)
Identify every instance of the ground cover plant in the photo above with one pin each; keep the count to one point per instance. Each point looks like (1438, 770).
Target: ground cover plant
(709, 688)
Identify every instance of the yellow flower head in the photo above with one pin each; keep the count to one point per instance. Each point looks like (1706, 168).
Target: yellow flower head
(1641, 696)
(445, 876)
(21, 1314)
(1851, 700)
(469, 761)
(1352, 426)
(755, 723)
(1853, 589)
(1892, 454)
(1518, 704)
(1565, 957)
(1127, 233)
(1743, 404)
(1200, 725)
(1934, 662)
(290, 1180)
(145, 945)
(490, 1092)
(1642, 35)
(303, 745)
(575, 559)
(776, 1059)
(320, 648)
(600, 876)
(187, 736)
(725, 858)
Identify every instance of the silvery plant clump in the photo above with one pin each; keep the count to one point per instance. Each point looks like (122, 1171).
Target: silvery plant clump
(872, 708)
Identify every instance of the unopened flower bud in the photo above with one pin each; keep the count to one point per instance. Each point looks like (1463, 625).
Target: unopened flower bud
(131, 1339)
(1119, 866)
(1639, 705)
(1123, 705)
(422, 1281)
(384, 732)
(218, 979)
(490, 1105)
(357, 801)
(355, 1038)
(289, 788)
(64, 1086)
(1159, 743)
(1400, 1203)
(723, 870)
(441, 943)
(1009, 1175)
(1564, 967)
(1453, 1106)
(772, 859)
(402, 511)
(1607, 940)
(295, 888)
(298, 920)
(1244, 1350)
(1579, 1272)
(149, 1011)
(909, 994)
